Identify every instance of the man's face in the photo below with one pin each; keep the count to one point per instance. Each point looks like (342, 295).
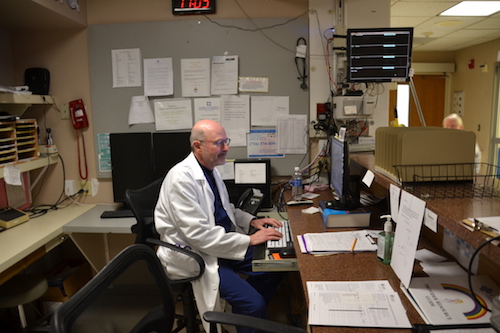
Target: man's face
(451, 123)
(213, 150)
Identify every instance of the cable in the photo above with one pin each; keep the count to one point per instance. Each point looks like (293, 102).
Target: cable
(470, 270)
(82, 176)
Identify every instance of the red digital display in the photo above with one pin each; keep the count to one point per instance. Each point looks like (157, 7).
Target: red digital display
(180, 7)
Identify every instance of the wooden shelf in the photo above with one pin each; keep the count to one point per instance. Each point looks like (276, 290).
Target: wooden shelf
(32, 164)
(16, 104)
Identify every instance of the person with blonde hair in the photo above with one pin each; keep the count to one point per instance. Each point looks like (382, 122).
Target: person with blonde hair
(454, 121)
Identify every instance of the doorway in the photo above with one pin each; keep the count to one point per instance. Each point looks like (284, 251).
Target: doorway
(431, 95)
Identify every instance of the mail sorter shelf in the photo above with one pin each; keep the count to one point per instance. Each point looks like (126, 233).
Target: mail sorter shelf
(18, 141)
(450, 181)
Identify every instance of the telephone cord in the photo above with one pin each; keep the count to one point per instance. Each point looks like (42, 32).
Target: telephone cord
(84, 177)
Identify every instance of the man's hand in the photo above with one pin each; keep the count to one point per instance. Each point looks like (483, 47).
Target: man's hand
(264, 222)
(264, 234)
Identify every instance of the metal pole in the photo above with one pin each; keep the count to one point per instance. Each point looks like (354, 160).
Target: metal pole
(417, 103)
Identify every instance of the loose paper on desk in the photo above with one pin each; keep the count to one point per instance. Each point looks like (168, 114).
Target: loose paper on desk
(394, 192)
(411, 215)
(336, 242)
(449, 301)
(355, 303)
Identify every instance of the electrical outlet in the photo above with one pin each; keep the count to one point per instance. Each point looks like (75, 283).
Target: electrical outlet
(89, 187)
(69, 187)
(64, 111)
(86, 186)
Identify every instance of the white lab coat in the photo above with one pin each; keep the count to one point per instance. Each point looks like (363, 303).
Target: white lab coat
(184, 216)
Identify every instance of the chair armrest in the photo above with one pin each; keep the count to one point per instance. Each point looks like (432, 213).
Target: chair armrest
(191, 254)
(215, 317)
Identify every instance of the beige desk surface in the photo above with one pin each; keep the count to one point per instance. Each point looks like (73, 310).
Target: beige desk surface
(91, 222)
(18, 242)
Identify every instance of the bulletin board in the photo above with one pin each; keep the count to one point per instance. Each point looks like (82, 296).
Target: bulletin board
(267, 53)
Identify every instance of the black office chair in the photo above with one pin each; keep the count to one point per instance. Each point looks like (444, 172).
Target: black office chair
(130, 294)
(142, 202)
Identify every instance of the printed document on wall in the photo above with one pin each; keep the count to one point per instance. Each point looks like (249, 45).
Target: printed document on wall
(410, 218)
(292, 134)
(140, 111)
(224, 75)
(126, 67)
(263, 143)
(266, 109)
(158, 77)
(207, 108)
(173, 114)
(195, 77)
(235, 118)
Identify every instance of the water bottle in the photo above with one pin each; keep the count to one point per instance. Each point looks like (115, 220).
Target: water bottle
(297, 185)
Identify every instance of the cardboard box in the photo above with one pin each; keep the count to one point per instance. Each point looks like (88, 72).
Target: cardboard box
(66, 279)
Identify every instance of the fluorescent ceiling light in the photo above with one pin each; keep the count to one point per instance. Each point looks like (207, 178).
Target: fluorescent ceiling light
(473, 8)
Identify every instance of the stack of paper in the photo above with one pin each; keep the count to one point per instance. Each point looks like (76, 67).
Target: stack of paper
(355, 304)
(336, 242)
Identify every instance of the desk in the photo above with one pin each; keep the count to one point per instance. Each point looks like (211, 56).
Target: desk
(341, 267)
(25, 243)
(365, 266)
(92, 235)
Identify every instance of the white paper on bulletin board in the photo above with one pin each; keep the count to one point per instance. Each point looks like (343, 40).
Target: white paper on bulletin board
(253, 84)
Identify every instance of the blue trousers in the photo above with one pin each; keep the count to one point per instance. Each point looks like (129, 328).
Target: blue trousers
(247, 296)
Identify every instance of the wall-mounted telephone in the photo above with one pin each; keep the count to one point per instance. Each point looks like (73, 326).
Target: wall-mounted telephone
(251, 200)
(78, 114)
(80, 121)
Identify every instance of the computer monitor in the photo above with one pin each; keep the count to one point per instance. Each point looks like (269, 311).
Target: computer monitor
(132, 164)
(251, 173)
(379, 54)
(169, 148)
(346, 188)
(138, 159)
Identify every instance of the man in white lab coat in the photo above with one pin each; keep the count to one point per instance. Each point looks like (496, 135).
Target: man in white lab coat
(193, 211)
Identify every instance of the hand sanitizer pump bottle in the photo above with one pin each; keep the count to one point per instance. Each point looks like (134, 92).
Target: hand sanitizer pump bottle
(385, 241)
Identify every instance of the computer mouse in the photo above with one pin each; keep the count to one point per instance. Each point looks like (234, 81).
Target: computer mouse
(287, 252)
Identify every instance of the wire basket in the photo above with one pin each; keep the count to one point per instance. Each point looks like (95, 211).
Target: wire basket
(443, 181)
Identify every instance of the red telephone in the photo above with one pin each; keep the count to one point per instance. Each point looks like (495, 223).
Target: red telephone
(78, 114)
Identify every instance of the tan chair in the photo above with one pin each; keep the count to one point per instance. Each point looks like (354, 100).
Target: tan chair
(22, 289)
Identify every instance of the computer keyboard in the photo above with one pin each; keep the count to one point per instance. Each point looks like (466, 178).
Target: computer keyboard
(285, 241)
(119, 213)
(360, 147)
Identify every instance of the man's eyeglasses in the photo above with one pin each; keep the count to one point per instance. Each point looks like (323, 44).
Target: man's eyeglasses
(219, 143)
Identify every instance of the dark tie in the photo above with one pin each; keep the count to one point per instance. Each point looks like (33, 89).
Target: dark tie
(221, 217)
